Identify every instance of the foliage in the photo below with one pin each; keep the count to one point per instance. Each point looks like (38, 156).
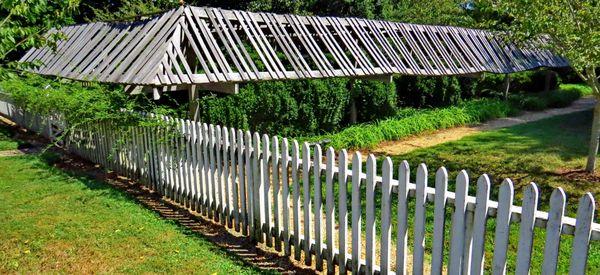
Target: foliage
(24, 22)
(374, 100)
(78, 105)
(419, 91)
(567, 28)
(413, 122)
(292, 108)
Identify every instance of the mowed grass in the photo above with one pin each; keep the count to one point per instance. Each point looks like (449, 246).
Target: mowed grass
(52, 222)
(544, 152)
(539, 152)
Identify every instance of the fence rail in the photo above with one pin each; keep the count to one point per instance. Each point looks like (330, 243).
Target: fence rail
(312, 206)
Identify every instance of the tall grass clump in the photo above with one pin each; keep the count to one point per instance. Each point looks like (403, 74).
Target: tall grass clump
(409, 122)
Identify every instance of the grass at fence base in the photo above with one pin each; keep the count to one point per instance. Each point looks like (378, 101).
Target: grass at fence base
(53, 222)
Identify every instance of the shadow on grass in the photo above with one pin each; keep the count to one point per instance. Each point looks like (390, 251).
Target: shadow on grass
(191, 224)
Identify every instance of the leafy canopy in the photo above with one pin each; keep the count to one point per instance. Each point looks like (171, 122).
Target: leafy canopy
(24, 22)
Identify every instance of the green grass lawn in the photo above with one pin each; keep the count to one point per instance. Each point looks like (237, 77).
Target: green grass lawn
(541, 151)
(52, 222)
(538, 151)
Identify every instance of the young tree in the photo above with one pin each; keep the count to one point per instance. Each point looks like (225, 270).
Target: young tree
(571, 29)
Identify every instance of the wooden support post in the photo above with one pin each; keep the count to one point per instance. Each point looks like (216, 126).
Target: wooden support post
(506, 86)
(353, 110)
(547, 80)
(194, 106)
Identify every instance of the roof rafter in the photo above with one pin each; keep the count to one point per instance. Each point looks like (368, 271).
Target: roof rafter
(193, 45)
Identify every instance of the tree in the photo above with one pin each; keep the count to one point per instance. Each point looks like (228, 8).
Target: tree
(24, 22)
(568, 28)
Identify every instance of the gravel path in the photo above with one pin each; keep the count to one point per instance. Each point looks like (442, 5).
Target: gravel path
(409, 144)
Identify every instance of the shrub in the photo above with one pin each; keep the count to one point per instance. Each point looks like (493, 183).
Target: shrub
(285, 108)
(374, 100)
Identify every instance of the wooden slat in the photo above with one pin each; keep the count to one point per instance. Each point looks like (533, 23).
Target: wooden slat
(439, 221)
(356, 212)
(530, 201)
(553, 231)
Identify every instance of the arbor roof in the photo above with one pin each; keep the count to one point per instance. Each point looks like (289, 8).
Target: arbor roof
(197, 45)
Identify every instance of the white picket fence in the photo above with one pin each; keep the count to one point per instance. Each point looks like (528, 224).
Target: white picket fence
(272, 190)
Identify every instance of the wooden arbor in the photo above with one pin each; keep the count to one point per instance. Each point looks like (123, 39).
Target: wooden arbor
(214, 49)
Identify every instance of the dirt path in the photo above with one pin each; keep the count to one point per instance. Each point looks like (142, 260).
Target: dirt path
(434, 138)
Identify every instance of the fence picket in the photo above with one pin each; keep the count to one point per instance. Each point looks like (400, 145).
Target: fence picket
(235, 216)
(530, 201)
(307, 201)
(329, 208)
(285, 195)
(480, 223)
(318, 206)
(402, 238)
(249, 181)
(241, 152)
(581, 241)
(343, 209)
(219, 183)
(458, 224)
(266, 190)
(505, 203)
(356, 212)
(439, 222)
(370, 211)
(276, 190)
(419, 226)
(226, 208)
(222, 173)
(206, 148)
(553, 231)
(296, 198)
(258, 185)
(386, 228)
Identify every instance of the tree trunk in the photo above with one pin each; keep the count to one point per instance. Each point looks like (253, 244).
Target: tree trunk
(506, 86)
(594, 139)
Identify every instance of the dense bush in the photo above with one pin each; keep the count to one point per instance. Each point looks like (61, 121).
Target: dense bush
(374, 100)
(285, 108)
(412, 122)
(419, 91)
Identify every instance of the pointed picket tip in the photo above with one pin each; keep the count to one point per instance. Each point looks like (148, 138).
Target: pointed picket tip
(387, 166)
(318, 151)
(343, 154)
(371, 160)
(462, 176)
(441, 173)
(483, 182)
(404, 168)
(265, 138)
(586, 202)
(356, 158)
(531, 189)
(558, 197)
(422, 170)
(330, 153)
